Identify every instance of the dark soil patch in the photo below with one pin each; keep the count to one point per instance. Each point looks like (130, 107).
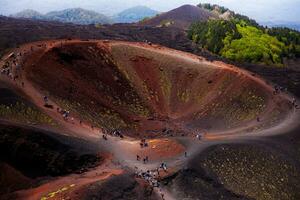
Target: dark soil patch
(191, 184)
(34, 154)
(122, 187)
(255, 169)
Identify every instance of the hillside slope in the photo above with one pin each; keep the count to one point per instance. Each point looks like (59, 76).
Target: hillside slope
(78, 16)
(180, 17)
(149, 88)
(28, 14)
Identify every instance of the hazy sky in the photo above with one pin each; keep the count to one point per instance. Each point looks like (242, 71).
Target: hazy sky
(261, 10)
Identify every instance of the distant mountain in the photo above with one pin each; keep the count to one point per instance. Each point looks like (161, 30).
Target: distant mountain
(135, 14)
(291, 25)
(73, 15)
(181, 17)
(29, 14)
(78, 16)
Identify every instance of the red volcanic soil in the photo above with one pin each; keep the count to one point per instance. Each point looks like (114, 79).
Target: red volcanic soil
(145, 91)
(180, 17)
(151, 91)
(123, 186)
(158, 149)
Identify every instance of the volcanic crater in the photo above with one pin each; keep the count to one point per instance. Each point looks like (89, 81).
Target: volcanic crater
(147, 90)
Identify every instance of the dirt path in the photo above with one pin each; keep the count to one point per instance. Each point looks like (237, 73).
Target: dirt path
(61, 186)
(125, 150)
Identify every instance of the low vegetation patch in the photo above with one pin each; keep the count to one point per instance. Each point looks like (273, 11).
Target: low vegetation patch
(252, 171)
(241, 39)
(23, 113)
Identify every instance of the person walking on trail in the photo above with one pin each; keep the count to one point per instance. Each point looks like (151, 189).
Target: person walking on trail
(46, 100)
(147, 159)
(138, 158)
(294, 102)
(198, 136)
(185, 154)
(258, 119)
(65, 116)
(162, 194)
(163, 166)
(104, 136)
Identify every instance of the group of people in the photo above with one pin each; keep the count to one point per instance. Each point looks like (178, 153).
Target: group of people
(117, 133)
(65, 114)
(12, 67)
(148, 42)
(6, 71)
(278, 89)
(152, 177)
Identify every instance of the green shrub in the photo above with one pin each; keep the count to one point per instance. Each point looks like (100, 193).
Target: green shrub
(239, 41)
(255, 46)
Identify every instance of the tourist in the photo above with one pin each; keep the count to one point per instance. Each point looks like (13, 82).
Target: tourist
(258, 119)
(293, 101)
(104, 136)
(46, 100)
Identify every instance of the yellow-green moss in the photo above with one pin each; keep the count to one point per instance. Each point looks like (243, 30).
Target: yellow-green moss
(104, 118)
(22, 113)
(165, 85)
(184, 96)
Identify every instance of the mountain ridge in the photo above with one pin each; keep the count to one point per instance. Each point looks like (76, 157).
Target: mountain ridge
(71, 15)
(28, 13)
(134, 14)
(84, 17)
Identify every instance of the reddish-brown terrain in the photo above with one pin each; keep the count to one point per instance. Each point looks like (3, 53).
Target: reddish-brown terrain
(143, 91)
(149, 91)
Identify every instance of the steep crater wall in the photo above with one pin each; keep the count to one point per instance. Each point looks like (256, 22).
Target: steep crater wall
(148, 90)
